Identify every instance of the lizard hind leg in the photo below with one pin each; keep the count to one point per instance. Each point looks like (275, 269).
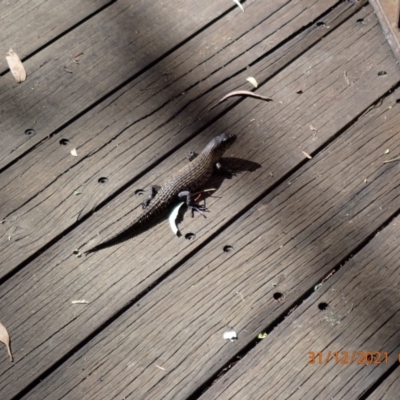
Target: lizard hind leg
(187, 196)
(152, 193)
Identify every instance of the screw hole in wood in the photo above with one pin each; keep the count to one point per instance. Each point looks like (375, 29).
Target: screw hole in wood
(139, 192)
(228, 249)
(190, 236)
(382, 73)
(323, 306)
(278, 296)
(63, 142)
(103, 180)
(30, 132)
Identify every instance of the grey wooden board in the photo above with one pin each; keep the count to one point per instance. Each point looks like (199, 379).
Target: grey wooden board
(117, 44)
(389, 388)
(26, 26)
(110, 279)
(286, 243)
(121, 142)
(363, 315)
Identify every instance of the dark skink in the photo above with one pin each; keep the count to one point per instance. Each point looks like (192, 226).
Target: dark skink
(181, 186)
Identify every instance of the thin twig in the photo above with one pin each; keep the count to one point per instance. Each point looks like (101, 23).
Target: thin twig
(392, 160)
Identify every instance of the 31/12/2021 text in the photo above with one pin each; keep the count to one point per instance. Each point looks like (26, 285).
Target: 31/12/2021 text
(348, 358)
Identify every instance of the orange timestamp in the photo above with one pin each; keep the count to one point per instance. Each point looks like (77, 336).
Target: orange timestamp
(348, 358)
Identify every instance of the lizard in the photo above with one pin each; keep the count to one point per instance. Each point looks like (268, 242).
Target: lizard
(181, 185)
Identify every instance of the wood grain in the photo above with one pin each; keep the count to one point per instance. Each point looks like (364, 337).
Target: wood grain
(59, 88)
(122, 142)
(389, 388)
(111, 279)
(362, 316)
(26, 26)
(285, 244)
(133, 36)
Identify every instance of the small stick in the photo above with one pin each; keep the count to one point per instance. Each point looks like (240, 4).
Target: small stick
(392, 160)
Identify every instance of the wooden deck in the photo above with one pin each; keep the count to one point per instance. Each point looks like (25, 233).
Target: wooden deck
(313, 271)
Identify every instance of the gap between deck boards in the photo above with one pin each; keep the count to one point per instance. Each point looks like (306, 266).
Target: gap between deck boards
(174, 162)
(290, 240)
(49, 176)
(59, 90)
(340, 316)
(29, 27)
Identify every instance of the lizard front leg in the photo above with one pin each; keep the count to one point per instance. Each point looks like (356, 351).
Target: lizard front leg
(187, 196)
(223, 171)
(152, 193)
(191, 155)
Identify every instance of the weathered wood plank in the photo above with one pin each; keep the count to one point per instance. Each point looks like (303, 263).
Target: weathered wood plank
(112, 54)
(389, 388)
(133, 35)
(109, 280)
(48, 177)
(362, 316)
(286, 243)
(26, 26)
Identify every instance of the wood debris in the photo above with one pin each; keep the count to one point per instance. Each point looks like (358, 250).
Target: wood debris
(5, 338)
(313, 128)
(15, 65)
(245, 93)
(230, 335)
(239, 4)
(252, 81)
(392, 160)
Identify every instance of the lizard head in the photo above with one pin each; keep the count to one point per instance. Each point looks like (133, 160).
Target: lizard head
(217, 147)
(222, 142)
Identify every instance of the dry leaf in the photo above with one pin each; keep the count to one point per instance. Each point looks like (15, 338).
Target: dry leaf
(252, 81)
(306, 154)
(5, 338)
(15, 65)
(74, 153)
(245, 93)
(238, 4)
(172, 218)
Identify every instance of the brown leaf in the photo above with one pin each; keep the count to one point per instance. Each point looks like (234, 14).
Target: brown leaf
(5, 338)
(245, 93)
(15, 65)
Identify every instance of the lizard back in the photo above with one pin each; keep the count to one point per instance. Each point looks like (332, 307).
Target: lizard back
(190, 178)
